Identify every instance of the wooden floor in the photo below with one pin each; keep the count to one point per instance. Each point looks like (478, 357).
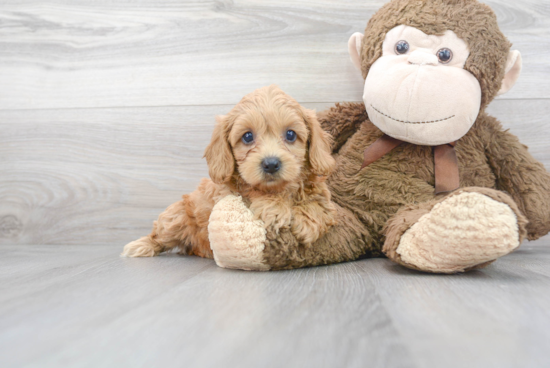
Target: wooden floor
(83, 306)
(106, 107)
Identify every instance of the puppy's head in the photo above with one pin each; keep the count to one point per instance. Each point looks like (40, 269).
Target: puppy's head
(270, 141)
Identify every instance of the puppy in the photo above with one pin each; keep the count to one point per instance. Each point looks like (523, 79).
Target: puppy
(272, 152)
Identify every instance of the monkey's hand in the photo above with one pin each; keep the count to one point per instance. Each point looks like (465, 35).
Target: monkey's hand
(236, 239)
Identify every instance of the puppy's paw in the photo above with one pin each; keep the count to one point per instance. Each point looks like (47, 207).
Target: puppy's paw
(143, 247)
(310, 223)
(305, 230)
(236, 239)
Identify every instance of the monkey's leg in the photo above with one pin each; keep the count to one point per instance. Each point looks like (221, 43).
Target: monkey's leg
(239, 241)
(466, 229)
(183, 224)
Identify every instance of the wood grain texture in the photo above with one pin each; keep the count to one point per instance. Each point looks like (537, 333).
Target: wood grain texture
(487, 318)
(98, 175)
(101, 176)
(66, 54)
(93, 308)
(82, 306)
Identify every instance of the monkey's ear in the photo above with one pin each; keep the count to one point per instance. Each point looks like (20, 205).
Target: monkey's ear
(513, 68)
(354, 49)
(218, 154)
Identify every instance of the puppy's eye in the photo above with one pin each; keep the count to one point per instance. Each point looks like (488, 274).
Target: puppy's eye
(444, 55)
(401, 47)
(290, 135)
(247, 138)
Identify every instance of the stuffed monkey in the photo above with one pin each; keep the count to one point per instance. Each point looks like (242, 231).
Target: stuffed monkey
(424, 176)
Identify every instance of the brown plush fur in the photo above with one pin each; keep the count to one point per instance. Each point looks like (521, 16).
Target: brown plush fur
(368, 200)
(294, 199)
(377, 204)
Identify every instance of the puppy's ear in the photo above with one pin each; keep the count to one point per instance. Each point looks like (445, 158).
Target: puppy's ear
(218, 154)
(319, 146)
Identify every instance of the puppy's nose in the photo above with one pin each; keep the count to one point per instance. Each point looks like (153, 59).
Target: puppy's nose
(271, 165)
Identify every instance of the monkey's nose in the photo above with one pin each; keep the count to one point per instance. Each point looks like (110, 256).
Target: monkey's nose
(271, 165)
(422, 57)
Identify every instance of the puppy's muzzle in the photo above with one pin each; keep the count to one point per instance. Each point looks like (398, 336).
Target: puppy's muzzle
(271, 165)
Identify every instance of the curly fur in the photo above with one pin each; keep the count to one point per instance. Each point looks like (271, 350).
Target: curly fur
(295, 199)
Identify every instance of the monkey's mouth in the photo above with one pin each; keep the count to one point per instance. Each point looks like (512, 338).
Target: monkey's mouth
(411, 122)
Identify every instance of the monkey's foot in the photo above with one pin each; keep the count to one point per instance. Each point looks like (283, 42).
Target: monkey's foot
(236, 239)
(465, 230)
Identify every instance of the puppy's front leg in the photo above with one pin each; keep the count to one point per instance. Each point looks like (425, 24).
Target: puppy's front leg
(183, 224)
(312, 220)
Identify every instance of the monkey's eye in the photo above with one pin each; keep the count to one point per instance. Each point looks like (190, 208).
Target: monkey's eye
(444, 55)
(247, 138)
(290, 136)
(401, 47)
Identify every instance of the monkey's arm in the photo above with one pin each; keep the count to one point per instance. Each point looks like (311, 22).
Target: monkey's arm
(346, 241)
(521, 175)
(342, 120)
(238, 241)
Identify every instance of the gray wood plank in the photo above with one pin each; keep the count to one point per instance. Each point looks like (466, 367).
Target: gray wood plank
(101, 176)
(155, 53)
(496, 317)
(83, 306)
(92, 176)
(171, 311)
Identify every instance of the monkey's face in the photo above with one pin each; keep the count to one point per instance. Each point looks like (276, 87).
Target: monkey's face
(418, 91)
